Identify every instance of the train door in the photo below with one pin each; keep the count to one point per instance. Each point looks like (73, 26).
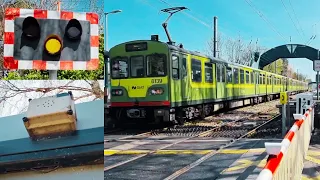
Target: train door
(253, 82)
(224, 82)
(175, 83)
(221, 81)
(272, 84)
(229, 82)
(256, 83)
(185, 83)
(218, 80)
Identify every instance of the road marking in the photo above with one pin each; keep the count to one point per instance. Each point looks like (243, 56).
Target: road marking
(109, 152)
(242, 151)
(130, 145)
(310, 178)
(312, 159)
(245, 163)
(183, 151)
(140, 156)
(313, 153)
(190, 151)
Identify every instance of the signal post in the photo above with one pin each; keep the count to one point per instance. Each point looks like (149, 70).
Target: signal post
(316, 67)
(284, 100)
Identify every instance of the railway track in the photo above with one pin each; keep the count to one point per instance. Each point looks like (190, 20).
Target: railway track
(220, 129)
(230, 124)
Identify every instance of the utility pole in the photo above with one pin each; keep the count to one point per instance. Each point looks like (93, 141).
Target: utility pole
(215, 29)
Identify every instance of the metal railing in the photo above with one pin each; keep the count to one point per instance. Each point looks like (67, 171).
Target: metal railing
(286, 159)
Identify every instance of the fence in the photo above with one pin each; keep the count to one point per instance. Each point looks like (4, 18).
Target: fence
(286, 159)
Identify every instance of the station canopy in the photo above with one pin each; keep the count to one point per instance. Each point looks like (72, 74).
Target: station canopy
(287, 51)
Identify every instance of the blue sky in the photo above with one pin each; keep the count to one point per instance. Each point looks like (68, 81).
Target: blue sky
(141, 18)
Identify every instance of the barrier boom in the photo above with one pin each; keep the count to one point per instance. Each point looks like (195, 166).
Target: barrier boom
(286, 159)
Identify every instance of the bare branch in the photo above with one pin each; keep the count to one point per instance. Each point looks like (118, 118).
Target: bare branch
(14, 94)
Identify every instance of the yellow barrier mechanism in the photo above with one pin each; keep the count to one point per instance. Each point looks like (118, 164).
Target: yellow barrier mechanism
(52, 115)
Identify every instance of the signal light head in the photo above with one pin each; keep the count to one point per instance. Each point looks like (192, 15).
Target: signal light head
(73, 30)
(31, 28)
(53, 45)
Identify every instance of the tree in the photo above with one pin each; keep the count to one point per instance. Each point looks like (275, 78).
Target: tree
(65, 74)
(233, 50)
(15, 94)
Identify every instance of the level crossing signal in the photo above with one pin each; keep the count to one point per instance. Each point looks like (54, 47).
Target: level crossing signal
(50, 40)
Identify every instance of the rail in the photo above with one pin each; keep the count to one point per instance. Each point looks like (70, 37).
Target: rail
(286, 159)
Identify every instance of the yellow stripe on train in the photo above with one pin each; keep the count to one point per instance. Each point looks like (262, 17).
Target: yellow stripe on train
(138, 87)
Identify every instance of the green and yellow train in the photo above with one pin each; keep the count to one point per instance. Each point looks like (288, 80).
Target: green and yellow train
(159, 82)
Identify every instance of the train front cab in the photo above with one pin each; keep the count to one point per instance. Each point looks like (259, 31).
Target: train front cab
(139, 82)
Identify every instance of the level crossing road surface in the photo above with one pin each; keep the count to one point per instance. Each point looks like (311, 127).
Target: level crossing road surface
(143, 158)
(242, 160)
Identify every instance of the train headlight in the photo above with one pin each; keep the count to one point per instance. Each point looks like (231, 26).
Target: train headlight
(117, 92)
(156, 91)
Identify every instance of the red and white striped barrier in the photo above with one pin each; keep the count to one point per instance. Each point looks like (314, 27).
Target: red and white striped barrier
(286, 158)
(10, 63)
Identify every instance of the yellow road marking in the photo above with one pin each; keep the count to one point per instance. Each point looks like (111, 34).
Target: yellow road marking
(245, 163)
(310, 178)
(183, 151)
(313, 153)
(242, 151)
(224, 151)
(109, 152)
(312, 159)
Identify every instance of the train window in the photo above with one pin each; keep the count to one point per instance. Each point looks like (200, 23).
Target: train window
(175, 67)
(223, 73)
(119, 68)
(229, 75)
(257, 78)
(218, 73)
(247, 77)
(184, 67)
(208, 72)
(136, 66)
(241, 76)
(236, 75)
(252, 77)
(156, 65)
(260, 77)
(196, 70)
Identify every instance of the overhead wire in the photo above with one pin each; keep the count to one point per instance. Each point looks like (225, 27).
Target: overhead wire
(220, 33)
(265, 19)
(285, 7)
(297, 19)
(190, 16)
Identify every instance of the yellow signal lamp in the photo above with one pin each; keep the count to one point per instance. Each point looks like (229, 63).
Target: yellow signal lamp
(53, 45)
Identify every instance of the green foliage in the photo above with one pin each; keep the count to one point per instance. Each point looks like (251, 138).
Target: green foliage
(276, 67)
(65, 74)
